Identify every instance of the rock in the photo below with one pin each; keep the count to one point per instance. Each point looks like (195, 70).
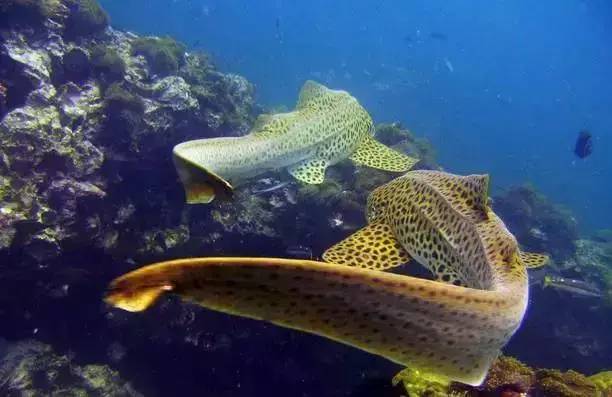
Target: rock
(30, 368)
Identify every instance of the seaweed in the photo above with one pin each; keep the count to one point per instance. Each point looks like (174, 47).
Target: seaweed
(86, 18)
(123, 111)
(554, 383)
(163, 54)
(27, 11)
(107, 63)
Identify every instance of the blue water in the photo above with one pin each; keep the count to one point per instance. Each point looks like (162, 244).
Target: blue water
(501, 87)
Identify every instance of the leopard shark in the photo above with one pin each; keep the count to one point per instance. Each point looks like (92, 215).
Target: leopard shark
(327, 126)
(449, 328)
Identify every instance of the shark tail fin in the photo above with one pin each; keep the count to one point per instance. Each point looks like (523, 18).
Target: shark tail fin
(201, 185)
(138, 290)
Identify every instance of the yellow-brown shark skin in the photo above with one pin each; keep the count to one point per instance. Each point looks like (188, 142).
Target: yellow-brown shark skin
(407, 320)
(326, 127)
(450, 331)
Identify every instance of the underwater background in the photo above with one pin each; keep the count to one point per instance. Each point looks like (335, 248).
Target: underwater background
(524, 78)
(93, 97)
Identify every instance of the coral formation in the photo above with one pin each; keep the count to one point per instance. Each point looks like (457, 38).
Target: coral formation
(163, 54)
(27, 11)
(107, 63)
(80, 142)
(510, 377)
(30, 368)
(85, 17)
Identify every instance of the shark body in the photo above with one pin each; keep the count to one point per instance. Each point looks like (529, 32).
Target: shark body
(326, 127)
(451, 328)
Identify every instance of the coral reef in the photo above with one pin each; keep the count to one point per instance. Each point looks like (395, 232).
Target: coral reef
(107, 63)
(538, 224)
(83, 118)
(30, 368)
(163, 54)
(86, 17)
(402, 139)
(509, 377)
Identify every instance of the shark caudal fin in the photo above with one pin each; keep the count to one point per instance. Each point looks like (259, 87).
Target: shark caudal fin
(437, 328)
(138, 290)
(372, 153)
(201, 185)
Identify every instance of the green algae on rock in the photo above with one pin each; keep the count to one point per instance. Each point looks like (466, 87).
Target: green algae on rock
(30, 368)
(86, 17)
(107, 63)
(163, 54)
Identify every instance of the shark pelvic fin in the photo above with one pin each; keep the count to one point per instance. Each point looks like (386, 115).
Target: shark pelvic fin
(309, 171)
(372, 153)
(373, 247)
(201, 185)
(532, 260)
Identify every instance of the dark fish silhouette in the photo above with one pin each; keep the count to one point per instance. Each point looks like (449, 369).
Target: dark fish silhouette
(584, 144)
(438, 36)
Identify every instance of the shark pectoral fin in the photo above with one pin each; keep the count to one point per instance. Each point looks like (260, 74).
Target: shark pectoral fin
(532, 260)
(372, 153)
(201, 185)
(373, 247)
(309, 171)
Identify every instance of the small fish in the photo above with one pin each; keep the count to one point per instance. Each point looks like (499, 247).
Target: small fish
(279, 31)
(584, 144)
(449, 65)
(438, 36)
(299, 251)
(573, 286)
(271, 188)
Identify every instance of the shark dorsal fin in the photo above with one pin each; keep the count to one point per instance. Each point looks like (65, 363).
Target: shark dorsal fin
(373, 247)
(468, 195)
(311, 93)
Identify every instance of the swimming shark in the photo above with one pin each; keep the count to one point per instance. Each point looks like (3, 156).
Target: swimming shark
(326, 127)
(450, 328)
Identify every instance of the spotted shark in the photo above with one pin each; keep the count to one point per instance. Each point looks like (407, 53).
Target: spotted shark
(449, 328)
(326, 127)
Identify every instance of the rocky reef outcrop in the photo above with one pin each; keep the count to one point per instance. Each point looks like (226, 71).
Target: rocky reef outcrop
(30, 368)
(86, 112)
(508, 377)
(538, 224)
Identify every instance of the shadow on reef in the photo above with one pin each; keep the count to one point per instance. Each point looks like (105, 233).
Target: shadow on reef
(88, 119)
